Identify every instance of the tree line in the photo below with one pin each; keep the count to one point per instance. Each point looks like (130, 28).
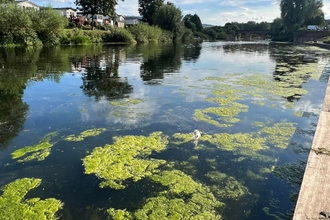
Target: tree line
(46, 26)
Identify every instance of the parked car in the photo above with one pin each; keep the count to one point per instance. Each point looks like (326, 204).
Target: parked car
(312, 28)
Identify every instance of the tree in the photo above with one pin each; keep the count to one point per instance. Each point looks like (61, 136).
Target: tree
(277, 29)
(168, 17)
(94, 7)
(48, 25)
(147, 9)
(193, 22)
(197, 22)
(298, 11)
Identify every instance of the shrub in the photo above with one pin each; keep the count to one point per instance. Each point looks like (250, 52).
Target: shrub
(187, 35)
(117, 35)
(144, 33)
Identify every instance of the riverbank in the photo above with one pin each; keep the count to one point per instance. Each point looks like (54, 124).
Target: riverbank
(314, 200)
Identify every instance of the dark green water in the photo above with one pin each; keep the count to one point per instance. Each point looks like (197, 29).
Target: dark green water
(70, 90)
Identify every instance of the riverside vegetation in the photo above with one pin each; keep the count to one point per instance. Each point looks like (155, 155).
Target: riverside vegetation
(48, 27)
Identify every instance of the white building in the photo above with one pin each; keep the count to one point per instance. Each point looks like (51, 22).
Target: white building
(27, 4)
(132, 20)
(67, 12)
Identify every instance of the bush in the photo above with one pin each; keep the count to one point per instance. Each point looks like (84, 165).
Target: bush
(117, 35)
(187, 35)
(144, 33)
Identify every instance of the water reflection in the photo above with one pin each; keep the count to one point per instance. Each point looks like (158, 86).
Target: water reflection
(159, 60)
(15, 72)
(101, 77)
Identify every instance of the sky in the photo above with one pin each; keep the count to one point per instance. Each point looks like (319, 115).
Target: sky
(214, 12)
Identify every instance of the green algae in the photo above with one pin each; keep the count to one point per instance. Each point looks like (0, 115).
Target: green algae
(36, 152)
(177, 181)
(125, 159)
(180, 138)
(255, 156)
(254, 176)
(291, 172)
(226, 187)
(184, 199)
(212, 163)
(14, 206)
(176, 208)
(279, 134)
(189, 166)
(88, 133)
(231, 142)
(298, 113)
(126, 102)
(119, 214)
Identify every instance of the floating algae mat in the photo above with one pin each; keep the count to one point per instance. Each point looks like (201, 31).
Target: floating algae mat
(278, 135)
(42, 150)
(36, 152)
(126, 159)
(258, 87)
(88, 133)
(184, 199)
(13, 205)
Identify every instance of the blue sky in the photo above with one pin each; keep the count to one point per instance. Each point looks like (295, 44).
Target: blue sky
(215, 12)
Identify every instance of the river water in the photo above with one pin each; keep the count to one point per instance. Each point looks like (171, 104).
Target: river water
(256, 105)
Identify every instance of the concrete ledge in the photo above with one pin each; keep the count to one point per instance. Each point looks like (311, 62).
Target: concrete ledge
(314, 196)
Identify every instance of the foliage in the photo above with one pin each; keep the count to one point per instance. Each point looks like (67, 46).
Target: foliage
(48, 24)
(168, 17)
(118, 35)
(14, 206)
(193, 22)
(85, 37)
(126, 159)
(147, 9)
(145, 33)
(36, 152)
(298, 13)
(31, 27)
(187, 35)
(22, 33)
(277, 30)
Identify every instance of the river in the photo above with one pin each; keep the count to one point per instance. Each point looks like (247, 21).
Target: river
(108, 129)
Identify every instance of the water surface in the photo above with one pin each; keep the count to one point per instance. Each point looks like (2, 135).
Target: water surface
(256, 103)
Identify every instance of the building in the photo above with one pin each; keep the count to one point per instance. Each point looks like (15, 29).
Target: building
(67, 12)
(27, 4)
(132, 20)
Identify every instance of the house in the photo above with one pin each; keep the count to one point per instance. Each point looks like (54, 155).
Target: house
(106, 20)
(67, 12)
(27, 4)
(120, 21)
(132, 20)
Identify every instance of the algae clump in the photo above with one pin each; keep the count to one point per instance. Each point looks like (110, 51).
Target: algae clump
(279, 134)
(88, 133)
(126, 102)
(14, 206)
(231, 142)
(184, 199)
(226, 187)
(126, 159)
(36, 152)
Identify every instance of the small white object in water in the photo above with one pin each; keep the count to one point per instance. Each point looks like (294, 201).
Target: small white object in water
(197, 134)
